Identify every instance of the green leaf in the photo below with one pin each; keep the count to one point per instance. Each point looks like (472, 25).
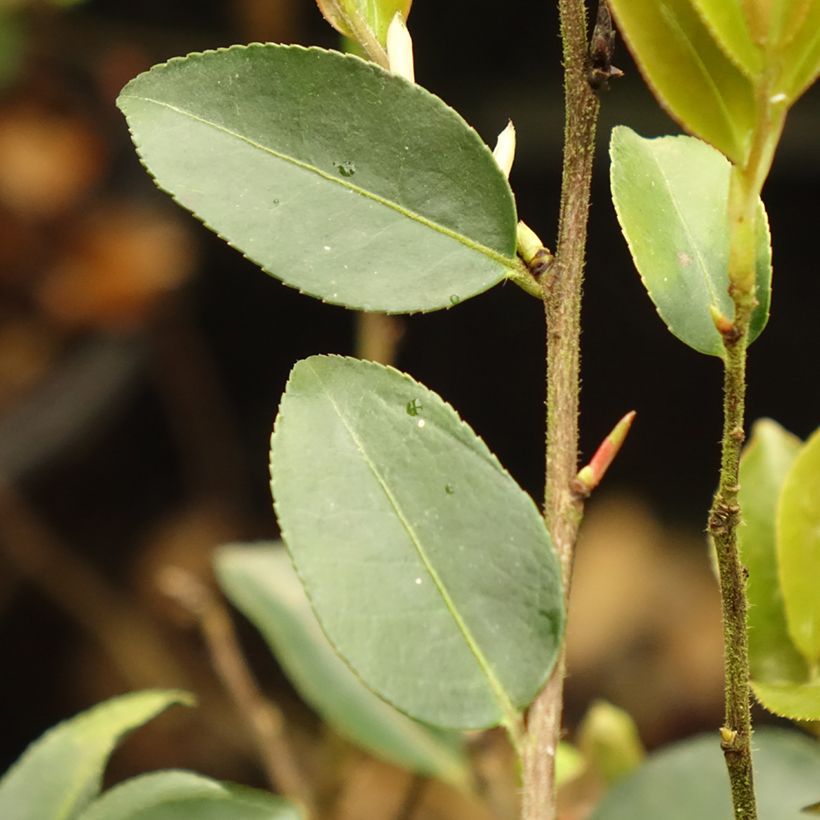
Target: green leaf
(688, 780)
(569, 763)
(376, 14)
(59, 774)
(801, 56)
(179, 795)
(689, 73)
(261, 582)
(763, 468)
(798, 547)
(726, 22)
(428, 567)
(340, 179)
(671, 197)
(796, 701)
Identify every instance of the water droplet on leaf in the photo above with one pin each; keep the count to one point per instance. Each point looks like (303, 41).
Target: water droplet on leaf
(413, 407)
(455, 299)
(346, 168)
(449, 489)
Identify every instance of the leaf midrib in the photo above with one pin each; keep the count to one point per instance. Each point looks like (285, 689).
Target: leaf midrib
(510, 263)
(509, 712)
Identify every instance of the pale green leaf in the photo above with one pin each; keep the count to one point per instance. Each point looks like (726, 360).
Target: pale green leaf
(688, 780)
(798, 548)
(671, 197)
(429, 568)
(179, 795)
(59, 774)
(763, 468)
(796, 701)
(376, 14)
(569, 763)
(726, 21)
(801, 56)
(261, 582)
(340, 179)
(689, 73)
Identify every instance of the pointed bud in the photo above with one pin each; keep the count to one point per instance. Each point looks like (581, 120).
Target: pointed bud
(400, 48)
(590, 476)
(504, 152)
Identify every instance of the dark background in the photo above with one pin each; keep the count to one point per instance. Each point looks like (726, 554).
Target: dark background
(157, 450)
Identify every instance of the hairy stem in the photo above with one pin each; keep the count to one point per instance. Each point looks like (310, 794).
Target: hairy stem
(724, 518)
(562, 302)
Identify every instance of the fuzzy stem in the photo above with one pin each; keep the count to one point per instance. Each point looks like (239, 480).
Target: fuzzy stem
(562, 302)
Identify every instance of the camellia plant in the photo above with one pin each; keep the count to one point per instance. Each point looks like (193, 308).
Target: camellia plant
(429, 589)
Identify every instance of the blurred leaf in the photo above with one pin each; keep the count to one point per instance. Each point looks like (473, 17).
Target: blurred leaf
(726, 21)
(609, 741)
(12, 44)
(796, 701)
(688, 780)
(671, 197)
(59, 774)
(344, 181)
(801, 56)
(376, 14)
(798, 548)
(689, 73)
(261, 583)
(178, 795)
(569, 763)
(763, 468)
(429, 568)
(773, 22)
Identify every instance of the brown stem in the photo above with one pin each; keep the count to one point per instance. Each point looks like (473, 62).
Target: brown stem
(724, 518)
(562, 301)
(263, 718)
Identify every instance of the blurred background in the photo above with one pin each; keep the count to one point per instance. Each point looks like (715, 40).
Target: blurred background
(141, 363)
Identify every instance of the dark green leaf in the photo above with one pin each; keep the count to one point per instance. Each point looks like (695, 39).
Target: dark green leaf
(261, 582)
(59, 774)
(176, 795)
(689, 73)
(688, 780)
(342, 180)
(429, 568)
(798, 548)
(671, 195)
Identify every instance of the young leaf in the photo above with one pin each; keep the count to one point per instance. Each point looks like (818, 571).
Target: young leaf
(59, 774)
(798, 547)
(670, 195)
(801, 56)
(429, 568)
(727, 23)
(763, 468)
(376, 15)
(178, 795)
(688, 780)
(796, 701)
(261, 582)
(689, 73)
(348, 183)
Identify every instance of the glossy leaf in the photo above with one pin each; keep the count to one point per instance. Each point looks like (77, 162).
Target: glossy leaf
(763, 468)
(796, 701)
(429, 568)
(179, 795)
(688, 780)
(726, 21)
(59, 774)
(689, 73)
(342, 180)
(261, 582)
(376, 14)
(671, 195)
(798, 547)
